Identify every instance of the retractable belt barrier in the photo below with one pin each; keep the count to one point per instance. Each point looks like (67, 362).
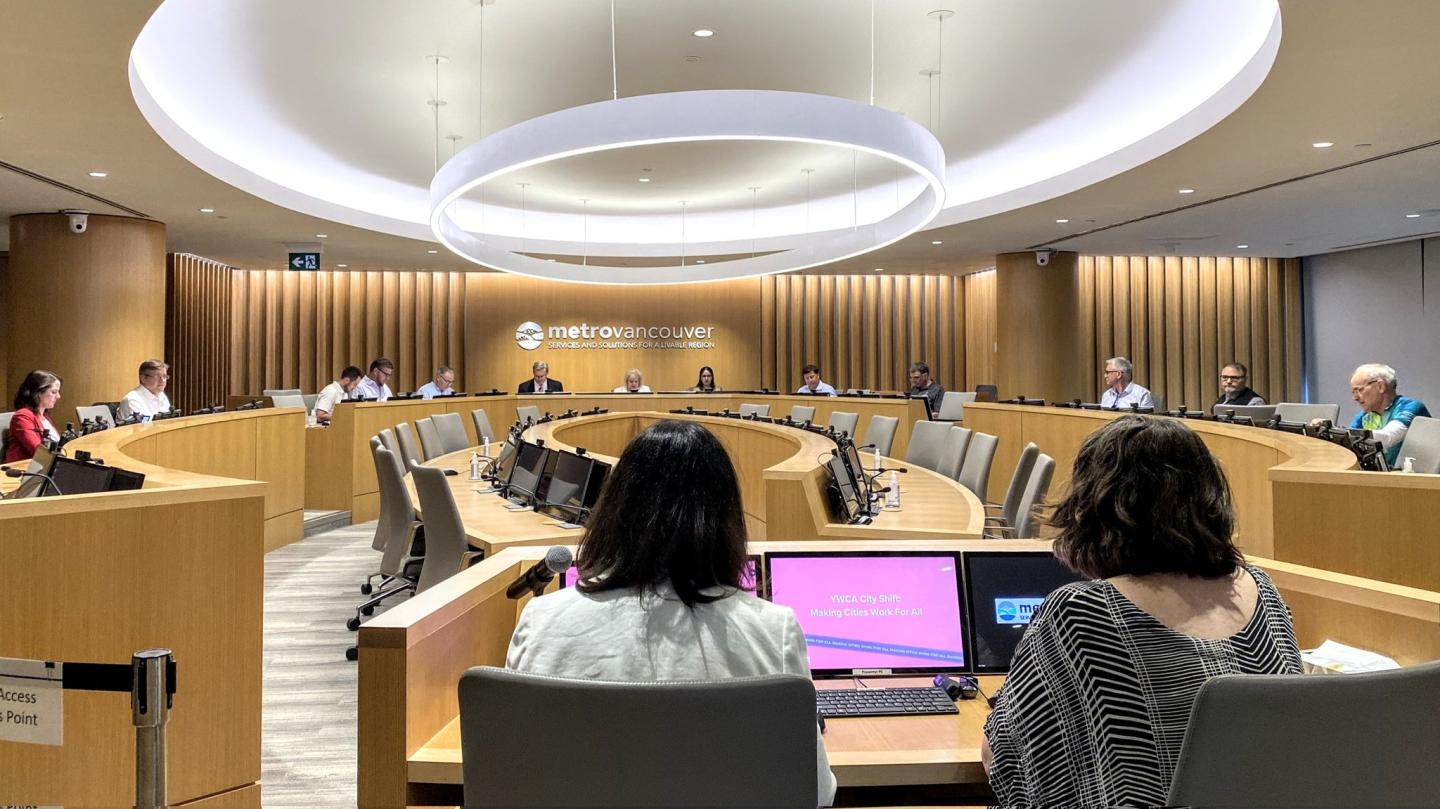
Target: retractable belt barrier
(149, 678)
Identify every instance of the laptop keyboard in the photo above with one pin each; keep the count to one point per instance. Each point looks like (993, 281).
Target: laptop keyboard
(841, 702)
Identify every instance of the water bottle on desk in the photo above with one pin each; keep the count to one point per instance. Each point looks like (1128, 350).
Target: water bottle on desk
(474, 466)
(892, 497)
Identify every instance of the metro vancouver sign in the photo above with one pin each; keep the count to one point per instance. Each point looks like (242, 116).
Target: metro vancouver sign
(531, 335)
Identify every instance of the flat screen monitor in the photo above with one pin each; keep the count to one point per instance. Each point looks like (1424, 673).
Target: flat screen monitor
(574, 487)
(874, 612)
(524, 482)
(1004, 588)
(844, 482)
(1258, 414)
(749, 580)
(125, 480)
(857, 468)
(500, 468)
(78, 477)
(39, 465)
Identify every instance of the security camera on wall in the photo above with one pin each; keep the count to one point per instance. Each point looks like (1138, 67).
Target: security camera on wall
(79, 220)
(1042, 257)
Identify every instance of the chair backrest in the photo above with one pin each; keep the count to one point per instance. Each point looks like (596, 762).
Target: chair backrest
(634, 744)
(409, 451)
(843, 422)
(952, 404)
(761, 410)
(382, 525)
(952, 455)
(451, 428)
(1271, 740)
(1158, 401)
(396, 509)
(927, 443)
(287, 400)
(1256, 413)
(1018, 480)
(1295, 411)
(483, 429)
(1027, 516)
(800, 413)
(530, 412)
(387, 438)
(273, 392)
(429, 438)
(975, 472)
(96, 413)
(987, 393)
(445, 542)
(1422, 442)
(310, 400)
(881, 432)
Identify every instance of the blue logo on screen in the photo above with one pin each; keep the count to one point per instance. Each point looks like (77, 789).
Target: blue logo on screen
(1015, 611)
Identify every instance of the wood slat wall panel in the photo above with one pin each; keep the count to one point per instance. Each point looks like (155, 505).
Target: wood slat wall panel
(197, 330)
(1186, 316)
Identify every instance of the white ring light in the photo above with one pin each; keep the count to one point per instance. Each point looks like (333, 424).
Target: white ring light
(702, 115)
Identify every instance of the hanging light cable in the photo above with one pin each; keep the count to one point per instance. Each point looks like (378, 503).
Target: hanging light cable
(614, 60)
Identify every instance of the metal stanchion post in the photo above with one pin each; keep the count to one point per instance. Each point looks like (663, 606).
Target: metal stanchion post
(150, 705)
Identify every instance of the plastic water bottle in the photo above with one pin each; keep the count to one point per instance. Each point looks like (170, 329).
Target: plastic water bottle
(892, 497)
(1409, 464)
(474, 466)
(878, 467)
(485, 446)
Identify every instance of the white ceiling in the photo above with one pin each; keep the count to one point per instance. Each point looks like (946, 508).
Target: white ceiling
(1348, 72)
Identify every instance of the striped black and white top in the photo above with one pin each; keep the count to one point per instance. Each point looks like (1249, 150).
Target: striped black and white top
(1095, 707)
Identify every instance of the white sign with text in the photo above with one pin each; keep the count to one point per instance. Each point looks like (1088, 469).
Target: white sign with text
(32, 706)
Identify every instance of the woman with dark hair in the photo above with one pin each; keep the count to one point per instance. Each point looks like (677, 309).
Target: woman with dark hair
(30, 425)
(1098, 697)
(659, 594)
(706, 382)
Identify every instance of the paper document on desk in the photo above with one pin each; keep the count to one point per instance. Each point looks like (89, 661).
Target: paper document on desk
(1337, 658)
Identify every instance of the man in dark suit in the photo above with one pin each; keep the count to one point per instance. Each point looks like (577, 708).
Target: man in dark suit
(541, 383)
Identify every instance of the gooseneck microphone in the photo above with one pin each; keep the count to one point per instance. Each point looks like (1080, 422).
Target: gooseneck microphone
(21, 473)
(533, 581)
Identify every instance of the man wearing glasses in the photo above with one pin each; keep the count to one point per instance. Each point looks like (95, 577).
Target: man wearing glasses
(1385, 413)
(1233, 390)
(1120, 389)
(373, 385)
(148, 399)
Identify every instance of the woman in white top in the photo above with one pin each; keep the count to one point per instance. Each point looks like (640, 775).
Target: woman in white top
(659, 595)
(632, 383)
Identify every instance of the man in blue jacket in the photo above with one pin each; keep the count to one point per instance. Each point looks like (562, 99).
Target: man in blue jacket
(1384, 412)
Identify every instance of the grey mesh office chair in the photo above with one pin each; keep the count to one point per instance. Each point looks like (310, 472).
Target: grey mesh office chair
(1027, 516)
(429, 438)
(843, 422)
(532, 741)
(1352, 740)
(310, 399)
(881, 432)
(96, 413)
(527, 412)
(1006, 511)
(483, 430)
(952, 404)
(927, 442)
(1157, 401)
(382, 526)
(761, 410)
(975, 472)
(400, 561)
(447, 551)
(273, 392)
(451, 429)
(952, 454)
(409, 452)
(1422, 442)
(287, 400)
(1295, 411)
(387, 438)
(802, 413)
(1256, 413)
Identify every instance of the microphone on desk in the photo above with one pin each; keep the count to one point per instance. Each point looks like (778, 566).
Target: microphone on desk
(21, 473)
(532, 581)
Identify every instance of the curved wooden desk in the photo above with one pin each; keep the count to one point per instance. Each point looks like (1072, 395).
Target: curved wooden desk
(177, 564)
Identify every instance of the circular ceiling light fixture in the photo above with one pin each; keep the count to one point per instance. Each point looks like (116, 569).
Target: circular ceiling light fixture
(702, 116)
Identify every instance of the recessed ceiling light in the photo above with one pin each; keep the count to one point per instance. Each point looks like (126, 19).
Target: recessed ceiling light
(207, 210)
(1412, 216)
(937, 241)
(1186, 191)
(342, 266)
(699, 261)
(1242, 247)
(879, 269)
(432, 252)
(549, 259)
(99, 174)
(1062, 221)
(1322, 144)
(704, 33)
(322, 235)
(644, 179)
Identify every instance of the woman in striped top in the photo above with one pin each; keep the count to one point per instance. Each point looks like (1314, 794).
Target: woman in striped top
(1095, 707)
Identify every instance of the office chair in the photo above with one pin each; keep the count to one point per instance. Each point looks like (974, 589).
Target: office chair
(881, 432)
(273, 392)
(761, 410)
(952, 454)
(483, 430)
(952, 404)
(1019, 479)
(927, 442)
(96, 413)
(382, 526)
(987, 393)
(287, 400)
(310, 399)
(450, 428)
(1321, 742)
(429, 438)
(843, 422)
(447, 551)
(802, 413)
(1422, 442)
(1157, 401)
(1294, 411)
(527, 412)
(975, 472)
(387, 438)
(1027, 514)
(530, 741)
(400, 562)
(409, 454)
(5, 426)
(1256, 413)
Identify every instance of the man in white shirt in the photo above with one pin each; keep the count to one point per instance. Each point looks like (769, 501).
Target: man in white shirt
(335, 393)
(811, 375)
(442, 385)
(373, 386)
(149, 397)
(1120, 389)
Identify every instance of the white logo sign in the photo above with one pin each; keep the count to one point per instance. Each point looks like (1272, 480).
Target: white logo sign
(32, 707)
(529, 335)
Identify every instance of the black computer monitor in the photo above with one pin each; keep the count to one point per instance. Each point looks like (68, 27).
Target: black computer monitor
(78, 477)
(574, 487)
(124, 480)
(1003, 589)
(500, 469)
(848, 506)
(524, 482)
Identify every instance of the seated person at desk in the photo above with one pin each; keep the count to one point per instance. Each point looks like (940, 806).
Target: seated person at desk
(372, 386)
(1120, 389)
(1233, 390)
(633, 383)
(706, 382)
(659, 594)
(149, 397)
(30, 424)
(922, 385)
(1098, 697)
(541, 381)
(1383, 411)
(442, 385)
(335, 393)
(813, 385)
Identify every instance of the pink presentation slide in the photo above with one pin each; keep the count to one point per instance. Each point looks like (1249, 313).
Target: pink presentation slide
(886, 612)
